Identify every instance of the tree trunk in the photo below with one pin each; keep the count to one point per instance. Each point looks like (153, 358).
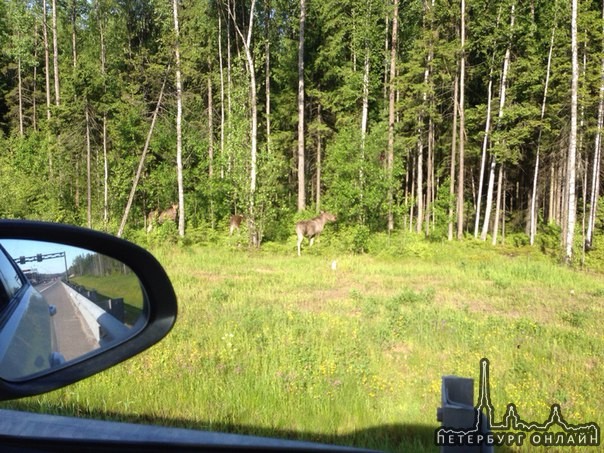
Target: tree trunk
(502, 93)
(364, 119)
(420, 129)
(47, 80)
(572, 142)
(88, 169)
(429, 175)
(483, 159)
(211, 140)
(385, 83)
(562, 200)
(503, 208)
(105, 173)
(319, 162)
(46, 65)
(210, 128)
(179, 165)
(489, 205)
(429, 102)
(229, 90)
(105, 156)
(222, 111)
(419, 182)
(453, 154)
(412, 184)
(55, 52)
(391, 118)
(595, 176)
(533, 213)
(462, 138)
(406, 188)
(267, 77)
(74, 49)
(141, 163)
(585, 165)
(498, 204)
(20, 95)
(595, 179)
(34, 81)
(301, 163)
(552, 192)
(254, 236)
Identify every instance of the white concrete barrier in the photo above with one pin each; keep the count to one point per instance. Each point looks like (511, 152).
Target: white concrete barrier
(104, 326)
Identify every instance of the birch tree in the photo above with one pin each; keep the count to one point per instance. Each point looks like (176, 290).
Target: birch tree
(485, 141)
(533, 209)
(55, 53)
(179, 164)
(46, 64)
(103, 61)
(391, 117)
(453, 157)
(301, 161)
(493, 164)
(141, 164)
(596, 165)
(462, 82)
(249, 58)
(572, 142)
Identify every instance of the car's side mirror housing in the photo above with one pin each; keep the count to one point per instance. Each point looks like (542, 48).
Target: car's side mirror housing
(113, 321)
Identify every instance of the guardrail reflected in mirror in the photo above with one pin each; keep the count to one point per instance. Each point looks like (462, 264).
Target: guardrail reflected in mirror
(60, 303)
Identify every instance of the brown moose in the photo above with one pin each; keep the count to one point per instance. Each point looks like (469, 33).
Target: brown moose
(312, 228)
(235, 223)
(161, 217)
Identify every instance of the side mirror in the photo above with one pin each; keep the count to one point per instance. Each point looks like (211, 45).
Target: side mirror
(74, 302)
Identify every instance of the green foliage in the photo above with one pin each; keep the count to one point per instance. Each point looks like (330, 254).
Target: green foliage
(440, 209)
(517, 239)
(354, 180)
(352, 239)
(110, 86)
(549, 239)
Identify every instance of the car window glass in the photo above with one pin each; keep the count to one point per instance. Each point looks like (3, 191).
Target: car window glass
(9, 275)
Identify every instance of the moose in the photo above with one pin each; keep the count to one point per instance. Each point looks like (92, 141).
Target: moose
(235, 223)
(312, 228)
(161, 217)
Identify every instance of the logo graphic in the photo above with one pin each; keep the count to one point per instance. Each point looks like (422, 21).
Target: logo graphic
(512, 430)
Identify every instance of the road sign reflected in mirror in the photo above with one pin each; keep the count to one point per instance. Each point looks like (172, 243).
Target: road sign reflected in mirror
(71, 303)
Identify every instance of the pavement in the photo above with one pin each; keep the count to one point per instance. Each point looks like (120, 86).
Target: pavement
(73, 336)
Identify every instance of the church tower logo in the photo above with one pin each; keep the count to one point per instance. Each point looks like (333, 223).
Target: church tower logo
(512, 430)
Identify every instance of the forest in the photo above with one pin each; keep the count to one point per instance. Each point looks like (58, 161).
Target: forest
(451, 119)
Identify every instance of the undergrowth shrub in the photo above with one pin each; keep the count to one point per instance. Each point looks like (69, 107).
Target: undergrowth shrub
(548, 239)
(517, 239)
(353, 239)
(400, 244)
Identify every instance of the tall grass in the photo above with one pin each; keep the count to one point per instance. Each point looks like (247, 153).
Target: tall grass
(268, 343)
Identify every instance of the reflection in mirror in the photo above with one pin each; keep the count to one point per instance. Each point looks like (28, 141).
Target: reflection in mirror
(59, 303)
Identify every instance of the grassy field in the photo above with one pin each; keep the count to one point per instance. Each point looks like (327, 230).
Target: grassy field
(268, 343)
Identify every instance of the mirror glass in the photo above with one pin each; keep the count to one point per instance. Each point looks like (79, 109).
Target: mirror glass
(60, 303)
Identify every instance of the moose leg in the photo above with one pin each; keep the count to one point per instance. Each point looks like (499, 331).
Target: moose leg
(312, 239)
(300, 239)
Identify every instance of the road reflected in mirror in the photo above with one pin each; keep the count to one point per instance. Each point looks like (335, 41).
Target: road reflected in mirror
(60, 303)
